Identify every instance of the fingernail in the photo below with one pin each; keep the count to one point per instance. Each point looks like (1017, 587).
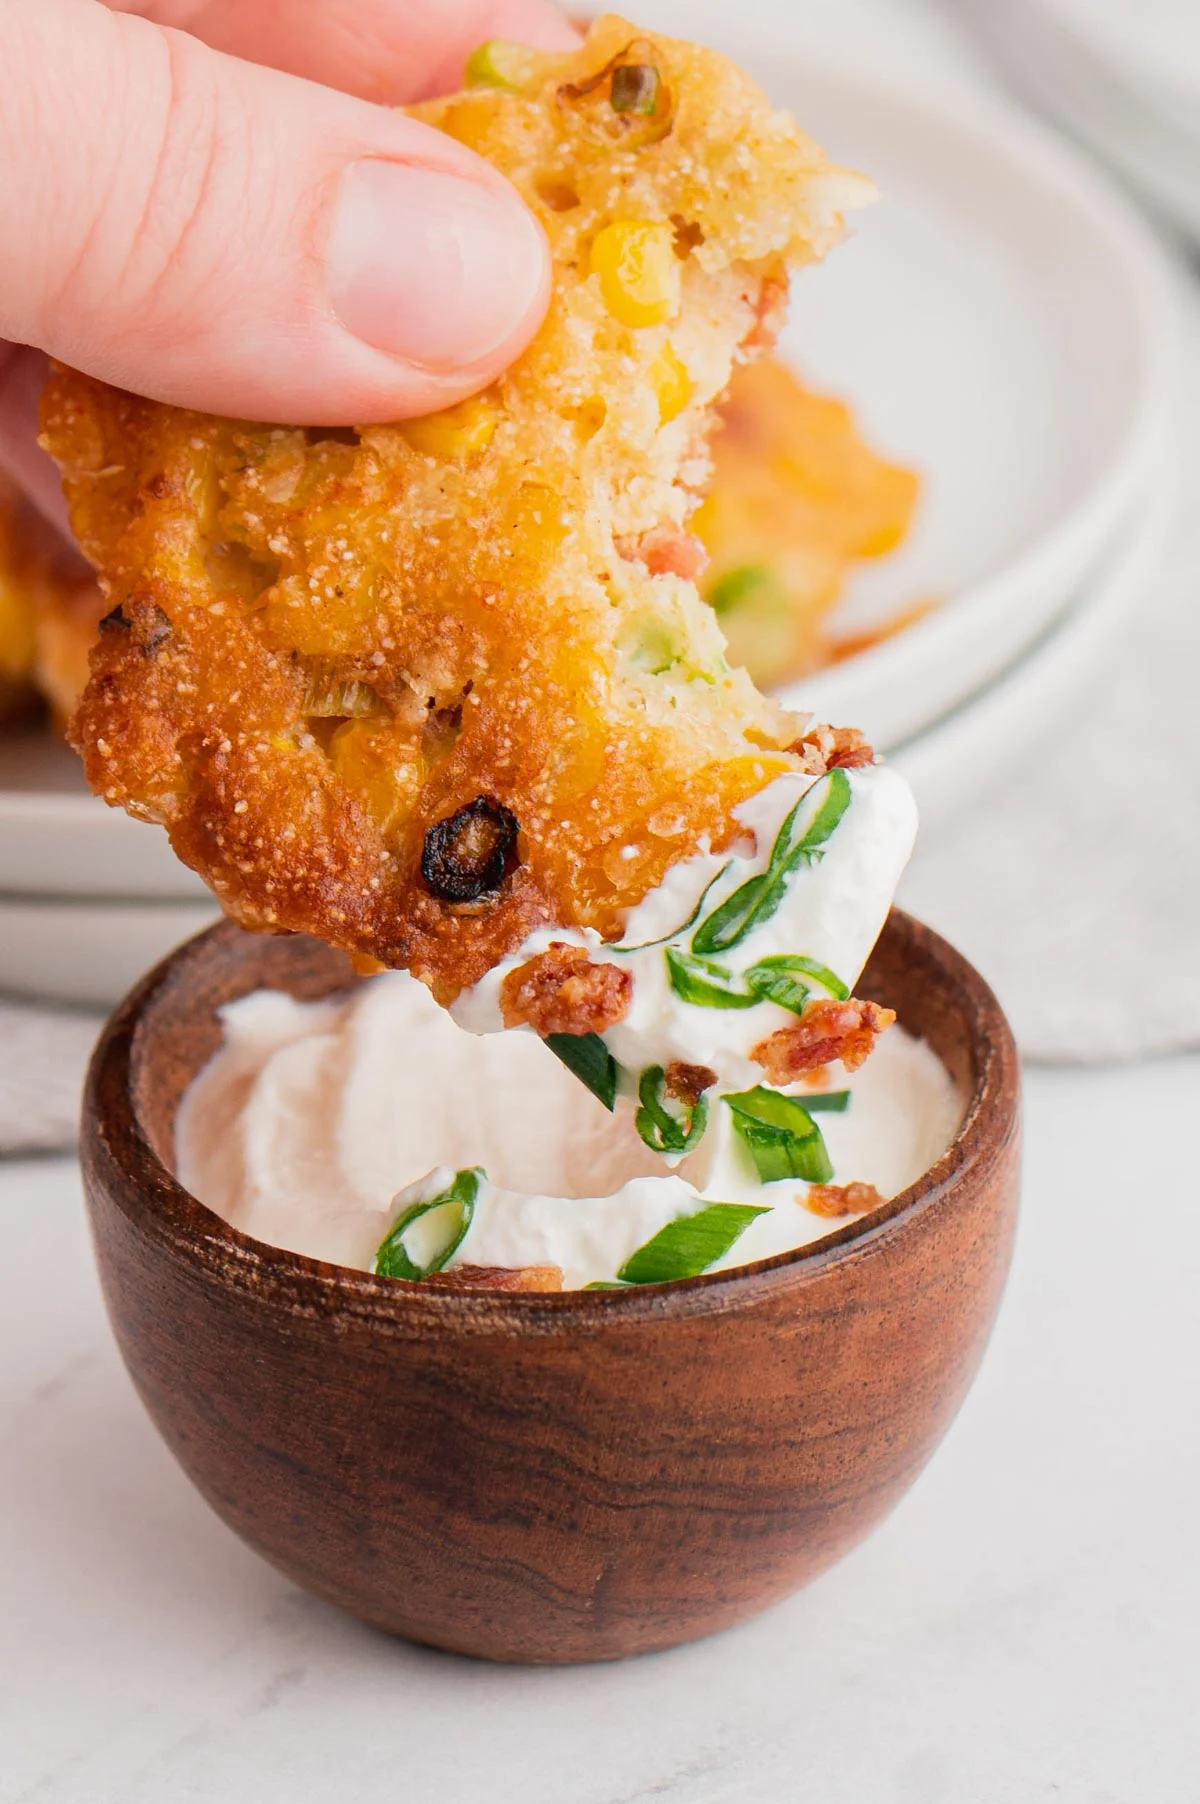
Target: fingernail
(430, 267)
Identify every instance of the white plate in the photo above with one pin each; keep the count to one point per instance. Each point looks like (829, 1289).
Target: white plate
(963, 753)
(1002, 321)
(89, 952)
(56, 838)
(998, 320)
(1124, 78)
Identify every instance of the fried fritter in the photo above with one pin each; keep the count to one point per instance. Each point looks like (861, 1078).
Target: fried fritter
(49, 609)
(797, 498)
(324, 647)
(17, 620)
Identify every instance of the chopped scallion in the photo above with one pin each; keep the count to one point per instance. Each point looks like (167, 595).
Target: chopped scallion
(758, 898)
(778, 980)
(675, 932)
(394, 1260)
(589, 1059)
(825, 1102)
(707, 985)
(780, 1135)
(739, 585)
(688, 1245)
(663, 1131)
(329, 694)
(502, 64)
(635, 88)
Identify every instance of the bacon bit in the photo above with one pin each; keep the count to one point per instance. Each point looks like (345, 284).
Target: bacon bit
(667, 551)
(832, 748)
(687, 1083)
(825, 1031)
(842, 1199)
(562, 992)
(770, 311)
(499, 1277)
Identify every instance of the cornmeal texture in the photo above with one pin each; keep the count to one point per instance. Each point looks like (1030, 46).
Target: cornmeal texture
(320, 645)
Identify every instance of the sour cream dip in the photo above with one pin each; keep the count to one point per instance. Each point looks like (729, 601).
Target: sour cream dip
(830, 909)
(316, 1124)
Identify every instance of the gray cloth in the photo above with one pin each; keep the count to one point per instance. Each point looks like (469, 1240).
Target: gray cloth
(1074, 883)
(43, 1058)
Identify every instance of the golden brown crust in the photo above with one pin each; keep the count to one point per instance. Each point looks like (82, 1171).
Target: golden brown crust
(842, 1199)
(498, 1277)
(370, 630)
(825, 1031)
(562, 992)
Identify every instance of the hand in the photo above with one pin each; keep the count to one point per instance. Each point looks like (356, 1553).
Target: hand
(185, 212)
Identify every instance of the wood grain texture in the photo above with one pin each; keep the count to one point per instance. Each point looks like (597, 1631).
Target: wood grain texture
(541, 1476)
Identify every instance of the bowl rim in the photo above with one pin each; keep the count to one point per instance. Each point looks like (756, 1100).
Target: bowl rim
(119, 1158)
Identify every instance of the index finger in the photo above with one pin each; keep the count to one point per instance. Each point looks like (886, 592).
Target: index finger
(391, 51)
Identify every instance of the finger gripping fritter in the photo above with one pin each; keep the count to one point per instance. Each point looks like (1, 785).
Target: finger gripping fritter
(340, 641)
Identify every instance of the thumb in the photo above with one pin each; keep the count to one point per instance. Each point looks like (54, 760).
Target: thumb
(225, 237)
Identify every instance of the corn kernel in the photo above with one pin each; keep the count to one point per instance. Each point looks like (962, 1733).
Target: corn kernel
(459, 431)
(671, 383)
(638, 270)
(368, 761)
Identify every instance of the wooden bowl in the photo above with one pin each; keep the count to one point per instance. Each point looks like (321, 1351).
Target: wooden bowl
(546, 1477)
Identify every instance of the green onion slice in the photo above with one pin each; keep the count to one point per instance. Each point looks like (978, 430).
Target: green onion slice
(635, 88)
(457, 1203)
(708, 985)
(502, 64)
(688, 1245)
(824, 1102)
(663, 1131)
(780, 1135)
(740, 585)
(592, 1063)
(329, 694)
(778, 979)
(675, 932)
(823, 806)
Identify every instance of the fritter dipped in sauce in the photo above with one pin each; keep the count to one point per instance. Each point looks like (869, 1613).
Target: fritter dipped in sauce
(425, 688)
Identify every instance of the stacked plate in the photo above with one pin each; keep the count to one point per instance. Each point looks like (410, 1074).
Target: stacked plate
(1124, 77)
(1000, 322)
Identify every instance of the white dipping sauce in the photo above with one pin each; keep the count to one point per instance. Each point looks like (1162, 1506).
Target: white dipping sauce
(312, 1116)
(832, 912)
(317, 1125)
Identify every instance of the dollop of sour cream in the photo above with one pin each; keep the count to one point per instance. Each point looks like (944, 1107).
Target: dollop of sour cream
(830, 911)
(318, 1126)
(315, 1125)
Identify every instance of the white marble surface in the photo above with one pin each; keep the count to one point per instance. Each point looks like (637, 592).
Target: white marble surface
(1026, 1626)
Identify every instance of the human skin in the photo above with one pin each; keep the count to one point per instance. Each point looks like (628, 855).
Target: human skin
(214, 203)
